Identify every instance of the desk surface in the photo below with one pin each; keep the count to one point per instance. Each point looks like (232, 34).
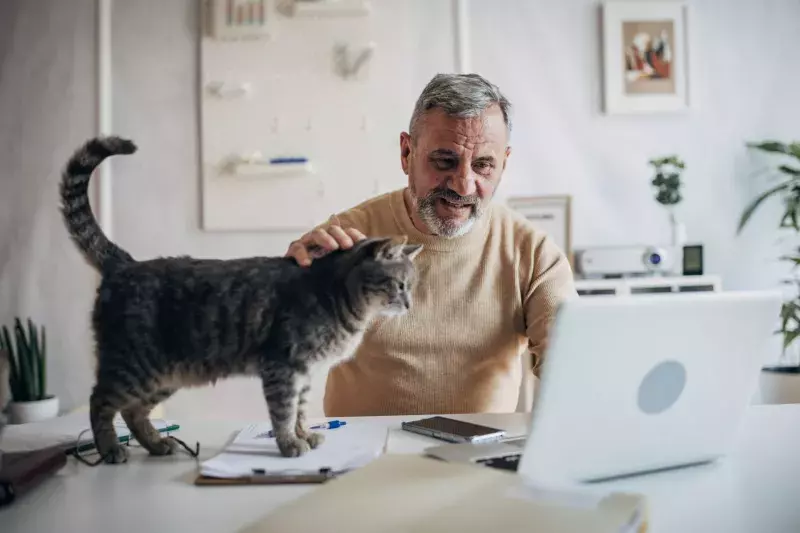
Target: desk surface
(755, 489)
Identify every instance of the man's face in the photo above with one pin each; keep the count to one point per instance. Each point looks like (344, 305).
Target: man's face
(454, 166)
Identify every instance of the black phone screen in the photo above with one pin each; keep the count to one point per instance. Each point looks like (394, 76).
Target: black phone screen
(454, 427)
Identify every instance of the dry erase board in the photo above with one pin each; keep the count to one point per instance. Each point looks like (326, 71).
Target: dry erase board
(301, 113)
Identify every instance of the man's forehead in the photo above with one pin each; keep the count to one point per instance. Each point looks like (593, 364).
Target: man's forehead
(439, 130)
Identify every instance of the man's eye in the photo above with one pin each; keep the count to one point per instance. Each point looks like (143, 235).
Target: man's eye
(483, 166)
(445, 164)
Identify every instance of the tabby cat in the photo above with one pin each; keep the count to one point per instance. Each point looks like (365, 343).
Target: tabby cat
(167, 323)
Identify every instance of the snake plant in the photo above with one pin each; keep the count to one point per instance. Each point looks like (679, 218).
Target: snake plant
(27, 355)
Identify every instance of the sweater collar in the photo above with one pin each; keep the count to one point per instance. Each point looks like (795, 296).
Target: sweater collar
(475, 236)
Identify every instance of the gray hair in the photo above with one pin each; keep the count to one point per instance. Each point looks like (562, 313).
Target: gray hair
(460, 95)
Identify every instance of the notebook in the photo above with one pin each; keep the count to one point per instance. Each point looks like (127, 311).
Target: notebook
(252, 454)
(69, 431)
(411, 493)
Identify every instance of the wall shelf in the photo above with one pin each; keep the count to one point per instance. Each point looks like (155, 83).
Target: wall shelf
(254, 169)
(648, 285)
(330, 8)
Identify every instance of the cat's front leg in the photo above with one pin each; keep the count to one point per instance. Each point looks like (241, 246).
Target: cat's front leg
(282, 394)
(313, 438)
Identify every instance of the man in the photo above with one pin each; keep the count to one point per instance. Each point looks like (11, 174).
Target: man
(488, 284)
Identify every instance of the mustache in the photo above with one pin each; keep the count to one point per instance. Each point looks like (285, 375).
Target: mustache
(453, 197)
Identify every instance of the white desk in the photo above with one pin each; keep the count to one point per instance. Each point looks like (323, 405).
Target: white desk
(755, 491)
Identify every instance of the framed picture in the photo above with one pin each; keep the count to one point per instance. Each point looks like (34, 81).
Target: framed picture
(645, 57)
(550, 214)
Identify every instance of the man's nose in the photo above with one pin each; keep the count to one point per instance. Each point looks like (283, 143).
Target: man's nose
(463, 182)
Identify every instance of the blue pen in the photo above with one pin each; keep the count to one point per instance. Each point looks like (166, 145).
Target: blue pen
(333, 424)
(284, 160)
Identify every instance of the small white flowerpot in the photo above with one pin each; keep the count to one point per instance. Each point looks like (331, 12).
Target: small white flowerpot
(25, 412)
(779, 384)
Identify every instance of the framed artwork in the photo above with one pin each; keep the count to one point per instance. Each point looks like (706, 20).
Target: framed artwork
(551, 214)
(645, 55)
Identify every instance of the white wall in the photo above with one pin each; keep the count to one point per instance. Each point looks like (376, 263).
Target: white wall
(47, 102)
(545, 55)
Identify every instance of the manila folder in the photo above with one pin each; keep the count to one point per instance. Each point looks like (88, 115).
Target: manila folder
(411, 493)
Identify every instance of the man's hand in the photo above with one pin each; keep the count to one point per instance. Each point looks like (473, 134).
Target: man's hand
(320, 241)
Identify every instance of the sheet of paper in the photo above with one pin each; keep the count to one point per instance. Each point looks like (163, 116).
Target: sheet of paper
(345, 448)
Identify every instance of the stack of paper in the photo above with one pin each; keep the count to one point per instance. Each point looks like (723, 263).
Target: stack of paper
(253, 453)
(408, 493)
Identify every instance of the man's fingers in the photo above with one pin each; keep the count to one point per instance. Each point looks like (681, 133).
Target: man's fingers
(308, 246)
(298, 251)
(322, 238)
(344, 240)
(355, 234)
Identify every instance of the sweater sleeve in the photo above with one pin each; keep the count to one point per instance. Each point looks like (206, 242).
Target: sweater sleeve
(550, 282)
(357, 218)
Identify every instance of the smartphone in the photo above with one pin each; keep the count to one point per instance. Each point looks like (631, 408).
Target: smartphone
(453, 430)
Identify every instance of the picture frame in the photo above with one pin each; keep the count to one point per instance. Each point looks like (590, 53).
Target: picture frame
(550, 214)
(645, 56)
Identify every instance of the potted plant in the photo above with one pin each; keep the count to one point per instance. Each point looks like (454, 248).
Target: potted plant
(27, 356)
(780, 383)
(667, 181)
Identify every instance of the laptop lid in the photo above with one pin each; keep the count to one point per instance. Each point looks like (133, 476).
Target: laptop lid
(635, 384)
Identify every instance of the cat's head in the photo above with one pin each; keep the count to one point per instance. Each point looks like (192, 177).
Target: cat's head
(383, 272)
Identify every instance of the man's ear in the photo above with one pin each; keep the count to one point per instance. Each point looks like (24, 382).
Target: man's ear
(508, 154)
(405, 152)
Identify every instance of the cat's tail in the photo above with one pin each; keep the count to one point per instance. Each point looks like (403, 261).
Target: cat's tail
(78, 216)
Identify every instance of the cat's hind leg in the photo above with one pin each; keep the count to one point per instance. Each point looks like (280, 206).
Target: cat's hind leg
(138, 421)
(281, 394)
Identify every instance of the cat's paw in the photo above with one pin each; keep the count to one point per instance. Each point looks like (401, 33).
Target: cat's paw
(314, 439)
(115, 454)
(291, 446)
(165, 446)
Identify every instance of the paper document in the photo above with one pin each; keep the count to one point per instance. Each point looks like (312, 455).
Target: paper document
(251, 452)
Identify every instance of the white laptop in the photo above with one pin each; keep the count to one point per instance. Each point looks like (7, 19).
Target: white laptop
(639, 384)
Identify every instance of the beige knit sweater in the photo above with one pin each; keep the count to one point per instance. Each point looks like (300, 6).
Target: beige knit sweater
(480, 300)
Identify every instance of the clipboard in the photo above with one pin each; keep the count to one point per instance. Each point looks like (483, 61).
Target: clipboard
(250, 458)
(268, 479)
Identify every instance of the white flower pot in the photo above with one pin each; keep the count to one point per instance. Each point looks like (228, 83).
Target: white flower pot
(779, 385)
(25, 412)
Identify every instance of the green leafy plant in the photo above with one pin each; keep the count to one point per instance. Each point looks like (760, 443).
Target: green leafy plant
(667, 179)
(788, 189)
(27, 357)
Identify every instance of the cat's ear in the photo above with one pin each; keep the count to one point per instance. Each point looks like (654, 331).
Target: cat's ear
(377, 248)
(412, 250)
